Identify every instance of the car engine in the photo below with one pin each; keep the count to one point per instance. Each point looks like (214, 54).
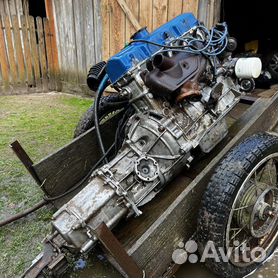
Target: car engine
(181, 81)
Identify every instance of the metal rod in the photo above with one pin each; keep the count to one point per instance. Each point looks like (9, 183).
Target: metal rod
(25, 160)
(117, 251)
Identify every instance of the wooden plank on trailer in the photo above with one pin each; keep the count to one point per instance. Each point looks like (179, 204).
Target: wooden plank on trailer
(174, 8)
(105, 15)
(159, 12)
(42, 53)
(191, 6)
(27, 51)
(11, 50)
(129, 14)
(117, 28)
(130, 28)
(146, 14)
(34, 51)
(19, 50)
(97, 30)
(4, 63)
(49, 53)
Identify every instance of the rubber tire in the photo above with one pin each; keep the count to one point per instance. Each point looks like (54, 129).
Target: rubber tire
(87, 120)
(268, 58)
(219, 197)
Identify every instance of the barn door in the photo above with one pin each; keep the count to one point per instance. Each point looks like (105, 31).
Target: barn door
(122, 18)
(26, 58)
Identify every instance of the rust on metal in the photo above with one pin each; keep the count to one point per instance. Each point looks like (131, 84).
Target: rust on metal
(25, 160)
(117, 251)
(190, 88)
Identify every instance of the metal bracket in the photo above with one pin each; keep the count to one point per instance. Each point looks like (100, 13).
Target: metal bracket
(121, 192)
(25, 160)
(124, 263)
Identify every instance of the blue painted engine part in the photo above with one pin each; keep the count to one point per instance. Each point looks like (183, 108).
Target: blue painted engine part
(121, 63)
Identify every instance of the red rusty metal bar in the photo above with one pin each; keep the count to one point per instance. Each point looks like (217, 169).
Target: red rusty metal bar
(25, 160)
(117, 251)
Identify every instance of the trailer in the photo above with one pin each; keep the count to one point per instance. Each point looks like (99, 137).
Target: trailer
(143, 246)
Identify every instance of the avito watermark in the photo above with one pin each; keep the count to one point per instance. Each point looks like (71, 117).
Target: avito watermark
(187, 252)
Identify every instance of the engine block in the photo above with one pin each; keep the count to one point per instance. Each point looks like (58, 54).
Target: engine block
(181, 82)
(157, 147)
(119, 65)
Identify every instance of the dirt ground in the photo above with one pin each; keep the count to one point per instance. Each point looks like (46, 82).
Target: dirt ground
(43, 123)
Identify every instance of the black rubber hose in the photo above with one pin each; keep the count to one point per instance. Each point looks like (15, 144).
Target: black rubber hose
(47, 200)
(23, 213)
(83, 179)
(99, 93)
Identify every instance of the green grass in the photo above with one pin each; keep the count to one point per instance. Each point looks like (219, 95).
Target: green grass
(42, 123)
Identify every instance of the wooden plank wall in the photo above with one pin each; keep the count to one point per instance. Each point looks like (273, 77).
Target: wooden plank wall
(25, 63)
(117, 24)
(209, 11)
(26, 60)
(13, 7)
(79, 39)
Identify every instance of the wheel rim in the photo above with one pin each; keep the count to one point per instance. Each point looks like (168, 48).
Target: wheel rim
(273, 64)
(253, 219)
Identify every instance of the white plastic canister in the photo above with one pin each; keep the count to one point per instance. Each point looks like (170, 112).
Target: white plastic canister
(247, 68)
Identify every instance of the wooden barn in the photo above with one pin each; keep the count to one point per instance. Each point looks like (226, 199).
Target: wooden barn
(50, 44)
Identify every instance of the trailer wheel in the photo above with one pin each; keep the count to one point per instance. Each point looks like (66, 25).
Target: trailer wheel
(239, 209)
(108, 105)
(272, 64)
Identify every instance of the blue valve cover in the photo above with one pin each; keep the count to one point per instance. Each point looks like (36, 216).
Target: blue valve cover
(119, 64)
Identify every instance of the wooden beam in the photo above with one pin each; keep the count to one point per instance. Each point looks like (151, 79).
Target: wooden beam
(105, 15)
(191, 6)
(129, 28)
(50, 16)
(18, 48)
(42, 53)
(49, 54)
(117, 28)
(4, 63)
(34, 51)
(129, 14)
(27, 51)
(160, 12)
(10, 48)
(146, 14)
